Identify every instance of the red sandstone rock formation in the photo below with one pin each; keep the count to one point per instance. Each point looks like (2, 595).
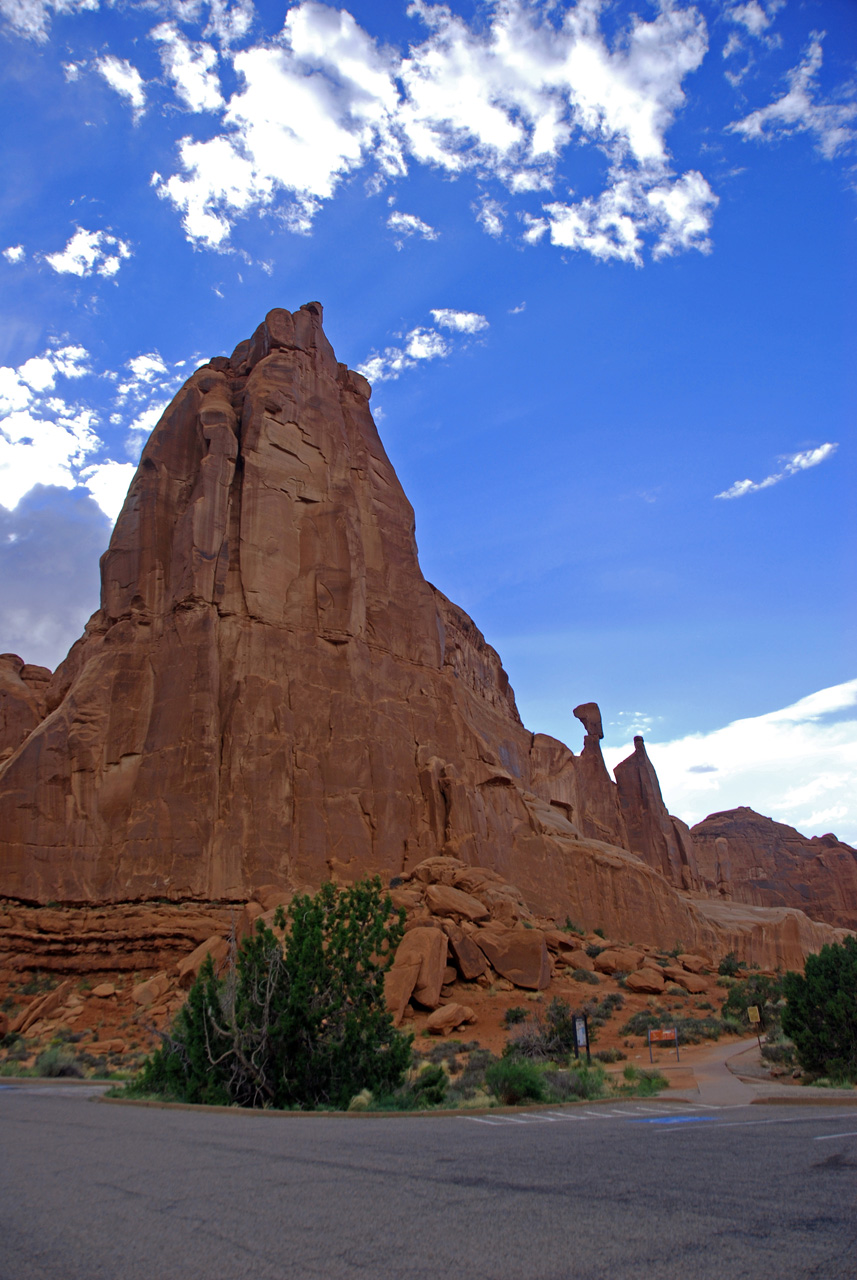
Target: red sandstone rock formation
(271, 694)
(22, 701)
(663, 841)
(744, 857)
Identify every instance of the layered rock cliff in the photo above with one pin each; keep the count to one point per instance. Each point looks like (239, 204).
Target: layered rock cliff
(271, 694)
(744, 857)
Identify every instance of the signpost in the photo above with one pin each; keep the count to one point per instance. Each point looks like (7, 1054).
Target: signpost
(581, 1035)
(755, 1020)
(665, 1033)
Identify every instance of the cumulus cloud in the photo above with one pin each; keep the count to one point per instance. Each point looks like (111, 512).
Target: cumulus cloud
(612, 226)
(108, 483)
(14, 254)
(44, 439)
(90, 253)
(791, 466)
(125, 79)
(797, 765)
(754, 17)
(408, 224)
(419, 344)
(459, 321)
(422, 343)
(32, 18)
(190, 67)
(800, 110)
(49, 431)
(506, 98)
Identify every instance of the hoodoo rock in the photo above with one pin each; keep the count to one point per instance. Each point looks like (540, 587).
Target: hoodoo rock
(271, 695)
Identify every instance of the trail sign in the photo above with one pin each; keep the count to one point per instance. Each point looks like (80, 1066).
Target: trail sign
(663, 1033)
(753, 1013)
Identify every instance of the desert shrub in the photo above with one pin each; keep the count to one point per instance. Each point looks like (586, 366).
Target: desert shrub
(548, 1034)
(783, 1054)
(690, 1030)
(515, 1015)
(301, 1025)
(610, 1055)
(586, 975)
(571, 926)
(821, 1014)
(599, 933)
(592, 949)
(765, 993)
(600, 1011)
(56, 1062)
(513, 1081)
(729, 966)
(642, 1084)
(580, 1082)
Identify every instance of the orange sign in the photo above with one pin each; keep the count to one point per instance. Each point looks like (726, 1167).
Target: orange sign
(663, 1035)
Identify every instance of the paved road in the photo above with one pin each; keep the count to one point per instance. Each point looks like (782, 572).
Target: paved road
(90, 1191)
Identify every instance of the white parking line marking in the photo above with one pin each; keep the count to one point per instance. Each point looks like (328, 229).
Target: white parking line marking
(826, 1137)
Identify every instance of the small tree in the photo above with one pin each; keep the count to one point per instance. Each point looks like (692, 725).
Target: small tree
(821, 1014)
(302, 1024)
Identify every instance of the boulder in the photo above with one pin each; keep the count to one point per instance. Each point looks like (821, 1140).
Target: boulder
(645, 981)
(579, 960)
(444, 900)
(428, 949)
(465, 953)
(518, 954)
(690, 982)
(447, 1017)
(694, 964)
(399, 983)
(188, 967)
(146, 993)
(103, 991)
(41, 1008)
(618, 960)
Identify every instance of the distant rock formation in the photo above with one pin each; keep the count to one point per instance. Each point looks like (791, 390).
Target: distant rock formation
(745, 857)
(271, 694)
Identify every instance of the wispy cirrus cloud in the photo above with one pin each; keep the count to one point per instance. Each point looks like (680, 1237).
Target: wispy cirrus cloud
(802, 110)
(791, 465)
(125, 79)
(408, 224)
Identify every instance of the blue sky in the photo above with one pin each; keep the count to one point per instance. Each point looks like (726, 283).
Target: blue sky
(596, 259)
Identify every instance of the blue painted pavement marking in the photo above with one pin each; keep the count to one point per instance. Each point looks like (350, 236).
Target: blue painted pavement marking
(675, 1120)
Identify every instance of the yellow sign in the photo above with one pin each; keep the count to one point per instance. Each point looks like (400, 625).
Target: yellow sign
(753, 1013)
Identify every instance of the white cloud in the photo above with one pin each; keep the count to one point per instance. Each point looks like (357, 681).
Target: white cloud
(754, 17)
(507, 98)
(797, 765)
(490, 214)
(191, 68)
(791, 466)
(797, 111)
(459, 321)
(108, 483)
(32, 18)
(48, 439)
(90, 253)
(612, 226)
(125, 79)
(408, 224)
(15, 253)
(419, 344)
